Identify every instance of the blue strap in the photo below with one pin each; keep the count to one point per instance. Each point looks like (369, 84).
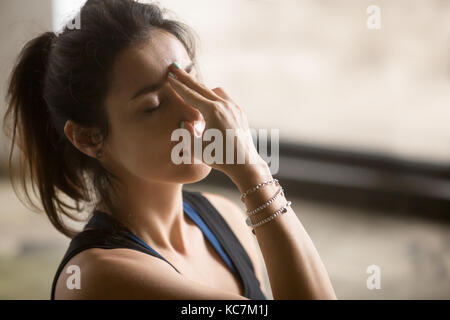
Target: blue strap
(209, 235)
(145, 245)
(98, 221)
(206, 231)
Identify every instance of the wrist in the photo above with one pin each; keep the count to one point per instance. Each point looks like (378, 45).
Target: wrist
(249, 175)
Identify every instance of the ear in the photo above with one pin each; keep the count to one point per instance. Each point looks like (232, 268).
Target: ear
(87, 140)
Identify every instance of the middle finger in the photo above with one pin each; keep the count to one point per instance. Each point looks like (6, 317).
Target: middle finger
(189, 81)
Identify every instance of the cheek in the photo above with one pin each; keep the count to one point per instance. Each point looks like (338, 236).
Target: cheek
(142, 147)
(143, 143)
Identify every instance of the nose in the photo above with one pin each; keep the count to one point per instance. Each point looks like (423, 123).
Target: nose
(193, 121)
(191, 116)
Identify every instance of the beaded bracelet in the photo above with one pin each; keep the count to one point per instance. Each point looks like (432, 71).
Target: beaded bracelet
(251, 190)
(265, 205)
(269, 218)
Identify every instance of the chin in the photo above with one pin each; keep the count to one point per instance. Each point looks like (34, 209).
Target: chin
(191, 173)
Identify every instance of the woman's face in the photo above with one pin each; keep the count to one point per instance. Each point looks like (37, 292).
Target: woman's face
(143, 111)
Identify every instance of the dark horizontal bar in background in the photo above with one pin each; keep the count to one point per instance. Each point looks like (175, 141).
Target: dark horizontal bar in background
(361, 179)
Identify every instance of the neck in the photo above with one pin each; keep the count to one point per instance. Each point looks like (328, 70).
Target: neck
(154, 212)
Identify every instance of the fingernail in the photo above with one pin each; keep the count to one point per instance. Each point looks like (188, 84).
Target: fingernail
(172, 75)
(176, 65)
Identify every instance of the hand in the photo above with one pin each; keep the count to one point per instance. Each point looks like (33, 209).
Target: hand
(220, 112)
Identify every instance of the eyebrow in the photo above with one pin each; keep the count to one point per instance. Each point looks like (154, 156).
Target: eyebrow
(154, 87)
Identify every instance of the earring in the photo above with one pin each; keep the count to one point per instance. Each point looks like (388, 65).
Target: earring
(99, 154)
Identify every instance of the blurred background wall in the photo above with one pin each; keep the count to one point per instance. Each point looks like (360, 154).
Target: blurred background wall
(329, 79)
(373, 102)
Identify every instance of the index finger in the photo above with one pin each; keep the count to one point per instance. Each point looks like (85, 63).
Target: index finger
(191, 97)
(192, 83)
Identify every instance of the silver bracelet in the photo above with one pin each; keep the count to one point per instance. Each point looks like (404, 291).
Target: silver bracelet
(269, 218)
(251, 190)
(265, 205)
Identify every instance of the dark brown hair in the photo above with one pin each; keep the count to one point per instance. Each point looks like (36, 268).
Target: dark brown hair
(66, 77)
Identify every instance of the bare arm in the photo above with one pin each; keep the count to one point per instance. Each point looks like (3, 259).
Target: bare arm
(293, 264)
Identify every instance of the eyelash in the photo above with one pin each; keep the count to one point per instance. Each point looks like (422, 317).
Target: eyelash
(151, 110)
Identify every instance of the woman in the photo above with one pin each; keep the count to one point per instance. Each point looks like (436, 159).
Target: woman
(93, 110)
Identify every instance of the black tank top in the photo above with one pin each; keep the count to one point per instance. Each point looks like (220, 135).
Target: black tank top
(103, 231)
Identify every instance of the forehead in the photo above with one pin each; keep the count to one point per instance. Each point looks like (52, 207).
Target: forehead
(147, 62)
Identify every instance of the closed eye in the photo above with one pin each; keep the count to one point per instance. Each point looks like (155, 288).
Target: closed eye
(153, 109)
(150, 110)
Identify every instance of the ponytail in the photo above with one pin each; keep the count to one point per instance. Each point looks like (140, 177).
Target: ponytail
(42, 152)
(56, 79)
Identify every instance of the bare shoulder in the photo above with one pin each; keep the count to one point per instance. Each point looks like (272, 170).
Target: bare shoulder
(110, 274)
(235, 218)
(74, 281)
